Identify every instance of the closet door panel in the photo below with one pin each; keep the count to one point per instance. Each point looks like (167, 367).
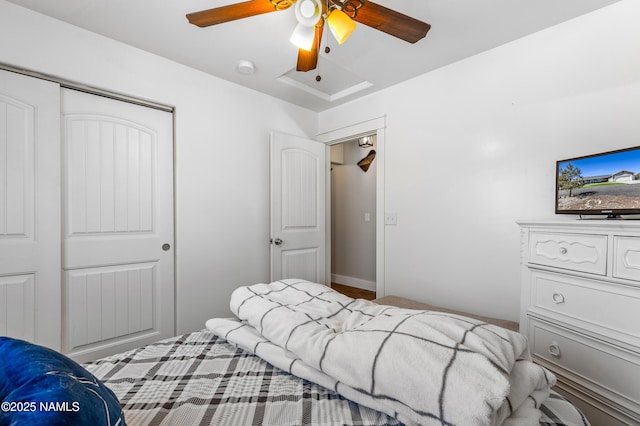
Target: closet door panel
(30, 295)
(17, 303)
(111, 176)
(110, 302)
(118, 228)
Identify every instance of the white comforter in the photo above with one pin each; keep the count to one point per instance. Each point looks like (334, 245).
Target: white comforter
(423, 367)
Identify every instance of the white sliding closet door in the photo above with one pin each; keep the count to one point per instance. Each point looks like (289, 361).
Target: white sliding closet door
(30, 209)
(118, 255)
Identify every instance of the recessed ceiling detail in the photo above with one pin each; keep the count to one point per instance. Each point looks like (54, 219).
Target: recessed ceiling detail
(336, 82)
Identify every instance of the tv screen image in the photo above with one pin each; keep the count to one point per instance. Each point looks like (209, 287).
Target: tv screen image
(605, 183)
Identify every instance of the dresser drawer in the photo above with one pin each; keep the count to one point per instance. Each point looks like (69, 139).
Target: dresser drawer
(606, 369)
(626, 255)
(577, 252)
(606, 308)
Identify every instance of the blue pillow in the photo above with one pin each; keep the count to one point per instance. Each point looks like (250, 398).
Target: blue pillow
(39, 386)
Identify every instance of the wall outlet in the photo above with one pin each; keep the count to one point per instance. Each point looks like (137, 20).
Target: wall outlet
(390, 219)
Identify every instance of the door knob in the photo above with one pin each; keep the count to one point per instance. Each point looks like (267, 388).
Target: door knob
(166, 246)
(278, 241)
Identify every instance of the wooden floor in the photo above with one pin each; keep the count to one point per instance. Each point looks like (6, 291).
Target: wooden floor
(356, 293)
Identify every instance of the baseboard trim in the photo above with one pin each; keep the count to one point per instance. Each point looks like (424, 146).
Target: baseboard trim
(354, 282)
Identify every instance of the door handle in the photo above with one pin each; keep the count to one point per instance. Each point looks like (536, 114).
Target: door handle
(278, 242)
(166, 246)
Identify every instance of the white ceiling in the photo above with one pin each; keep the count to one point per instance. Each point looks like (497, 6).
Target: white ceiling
(369, 61)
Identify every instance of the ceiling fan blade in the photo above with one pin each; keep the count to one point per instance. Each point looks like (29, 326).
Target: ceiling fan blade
(391, 22)
(232, 12)
(308, 59)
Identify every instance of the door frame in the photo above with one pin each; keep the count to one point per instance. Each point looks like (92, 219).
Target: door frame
(375, 126)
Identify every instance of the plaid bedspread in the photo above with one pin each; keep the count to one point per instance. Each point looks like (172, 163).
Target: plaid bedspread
(200, 379)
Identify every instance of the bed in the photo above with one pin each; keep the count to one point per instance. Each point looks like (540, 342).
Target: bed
(205, 377)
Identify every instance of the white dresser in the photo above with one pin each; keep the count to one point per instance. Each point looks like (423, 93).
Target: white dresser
(580, 309)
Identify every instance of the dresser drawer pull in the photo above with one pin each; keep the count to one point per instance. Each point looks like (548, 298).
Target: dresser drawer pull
(563, 250)
(558, 297)
(554, 350)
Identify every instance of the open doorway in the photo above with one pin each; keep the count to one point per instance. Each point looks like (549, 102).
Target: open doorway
(374, 126)
(353, 217)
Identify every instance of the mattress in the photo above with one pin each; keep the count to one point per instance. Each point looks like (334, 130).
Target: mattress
(201, 379)
(401, 302)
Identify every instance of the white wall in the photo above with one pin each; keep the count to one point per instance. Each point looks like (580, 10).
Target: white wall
(499, 119)
(222, 144)
(353, 240)
(471, 148)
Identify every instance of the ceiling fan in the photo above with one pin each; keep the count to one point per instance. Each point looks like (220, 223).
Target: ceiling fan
(312, 15)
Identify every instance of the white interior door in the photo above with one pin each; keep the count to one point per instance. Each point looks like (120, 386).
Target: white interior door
(118, 260)
(30, 297)
(298, 225)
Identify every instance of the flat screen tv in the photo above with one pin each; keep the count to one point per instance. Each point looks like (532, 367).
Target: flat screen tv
(607, 183)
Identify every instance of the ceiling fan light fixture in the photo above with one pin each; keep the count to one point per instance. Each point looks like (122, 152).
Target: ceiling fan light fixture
(341, 25)
(303, 36)
(308, 12)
